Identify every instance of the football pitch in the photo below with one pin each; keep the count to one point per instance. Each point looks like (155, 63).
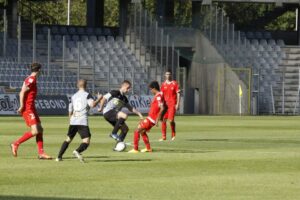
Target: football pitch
(213, 157)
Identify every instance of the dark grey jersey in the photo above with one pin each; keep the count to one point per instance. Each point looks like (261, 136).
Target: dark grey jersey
(116, 101)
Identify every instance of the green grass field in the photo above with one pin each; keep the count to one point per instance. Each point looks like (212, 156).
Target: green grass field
(221, 157)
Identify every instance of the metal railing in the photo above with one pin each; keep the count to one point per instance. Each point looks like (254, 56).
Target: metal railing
(149, 42)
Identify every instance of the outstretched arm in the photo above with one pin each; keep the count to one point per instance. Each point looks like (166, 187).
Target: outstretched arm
(96, 102)
(137, 113)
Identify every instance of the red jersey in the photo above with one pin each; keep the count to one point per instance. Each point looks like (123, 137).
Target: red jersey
(30, 95)
(170, 91)
(156, 103)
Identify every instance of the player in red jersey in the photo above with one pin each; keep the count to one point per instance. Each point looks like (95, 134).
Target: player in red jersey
(154, 116)
(27, 110)
(171, 93)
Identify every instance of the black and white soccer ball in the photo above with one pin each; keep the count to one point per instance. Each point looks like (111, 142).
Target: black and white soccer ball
(120, 146)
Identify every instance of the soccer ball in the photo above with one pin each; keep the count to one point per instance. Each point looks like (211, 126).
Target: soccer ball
(120, 146)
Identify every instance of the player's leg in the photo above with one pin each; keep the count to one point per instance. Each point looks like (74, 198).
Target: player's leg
(31, 121)
(121, 118)
(71, 134)
(38, 131)
(136, 139)
(111, 117)
(147, 125)
(164, 124)
(124, 131)
(171, 117)
(85, 135)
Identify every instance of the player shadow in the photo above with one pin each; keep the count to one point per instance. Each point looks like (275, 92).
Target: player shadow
(182, 151)
(207, 140)
(3, 197)
(85, 157)
(247, 140)
(124, 160)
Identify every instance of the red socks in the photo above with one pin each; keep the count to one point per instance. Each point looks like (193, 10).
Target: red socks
(173, 128)
(24, 138)
(136, 140)
(27, 136)
(40, 143)
(146, 140)
(164, 129)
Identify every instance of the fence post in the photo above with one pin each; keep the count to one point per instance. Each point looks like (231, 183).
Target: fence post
(108, 72)
(162, 49)
(233, 36)
(222, 25)
(227, 31)
(49, 51)
(4, 33)
(167, 53)
(34, 43)
(173, 66)
(78, 69)
(63, 58)
(94, 69)
(283, 100)
(156, 34)
(210, 20)
(272, 99)
(19, 38)
(216, 27)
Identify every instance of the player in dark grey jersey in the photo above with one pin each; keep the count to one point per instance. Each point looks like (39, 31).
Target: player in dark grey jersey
(116, 100)
(79, 107)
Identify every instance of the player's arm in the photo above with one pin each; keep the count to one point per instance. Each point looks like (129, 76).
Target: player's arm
(93, 103)
(70, 109)
(161, 109)
(178, 100)
(133, 110)
(23, 91)
(103, 100)
(178, 97)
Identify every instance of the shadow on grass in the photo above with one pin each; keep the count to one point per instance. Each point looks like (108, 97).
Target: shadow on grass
(45, 198)
(181, 151)
(266, 141)
(124, 160)
(207, 140)
(69, 158)
(85, 157)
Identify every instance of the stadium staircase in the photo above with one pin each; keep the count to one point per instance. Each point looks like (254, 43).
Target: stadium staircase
(290, 68)
(141, 52)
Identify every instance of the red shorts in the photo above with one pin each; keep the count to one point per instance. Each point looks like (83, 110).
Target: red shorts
(170, 112)
(146, 124)
(31, 117)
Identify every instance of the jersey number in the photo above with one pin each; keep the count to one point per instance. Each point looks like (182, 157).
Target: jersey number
(32, 116)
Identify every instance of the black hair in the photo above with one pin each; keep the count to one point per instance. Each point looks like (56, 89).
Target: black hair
(169, 71)
(154, 85)
(35, 67)
(126, 82)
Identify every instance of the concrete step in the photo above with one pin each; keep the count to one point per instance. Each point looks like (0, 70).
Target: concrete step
(290, 62)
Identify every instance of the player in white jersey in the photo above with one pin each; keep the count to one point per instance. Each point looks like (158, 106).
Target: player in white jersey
(79, 107)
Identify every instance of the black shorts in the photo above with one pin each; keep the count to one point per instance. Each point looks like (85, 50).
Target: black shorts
(84, 131)
(111, 117)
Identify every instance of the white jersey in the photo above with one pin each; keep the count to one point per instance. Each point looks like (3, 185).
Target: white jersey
(80, 105)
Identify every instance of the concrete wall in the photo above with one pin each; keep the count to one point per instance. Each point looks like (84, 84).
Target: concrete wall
(216, 84)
